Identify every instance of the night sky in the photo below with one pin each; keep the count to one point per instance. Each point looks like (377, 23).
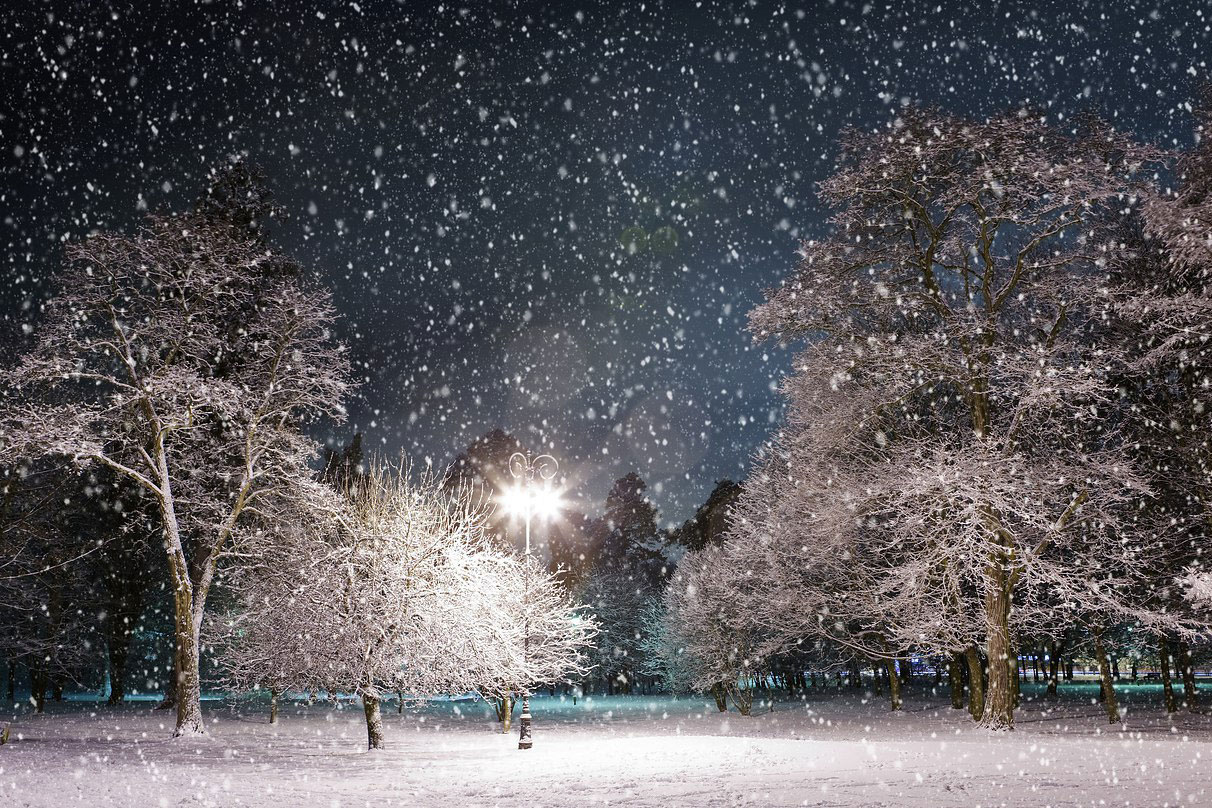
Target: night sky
(549, 220)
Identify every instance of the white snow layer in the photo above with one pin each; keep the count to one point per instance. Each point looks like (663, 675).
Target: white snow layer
(834, 749)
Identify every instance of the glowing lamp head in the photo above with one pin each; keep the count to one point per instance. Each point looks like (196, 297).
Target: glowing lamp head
(534, 501)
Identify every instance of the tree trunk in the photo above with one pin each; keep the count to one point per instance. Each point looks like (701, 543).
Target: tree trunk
(505, 713)
(273, 704)
(12, 681)
(57, 688)
(187, 689)
(894, 684)
(187, 611)
(999, 697)
(856, 674)
(37, 687)
(1163, 656)
(742, 697)
(955, 675)
(1190, 696)
(721, 697)
(119, 649)
(374, 722)
(1104, 669)
(976, 683)
(1053, 666)
(1016, 679)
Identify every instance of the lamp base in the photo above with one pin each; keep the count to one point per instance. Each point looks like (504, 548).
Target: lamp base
(524, 741)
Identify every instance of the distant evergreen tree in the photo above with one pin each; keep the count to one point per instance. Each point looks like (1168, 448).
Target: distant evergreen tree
(485, 462)
(239, 195)
(342, 468)
(629, 570)
(571, 541)
(711, 521)
(632, 541)
(484, 468)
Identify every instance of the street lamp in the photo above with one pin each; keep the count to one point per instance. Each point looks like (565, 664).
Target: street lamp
(532, 495)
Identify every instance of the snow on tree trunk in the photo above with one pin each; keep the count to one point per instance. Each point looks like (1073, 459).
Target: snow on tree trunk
(273, 704)
(998, 713)
(188, 687)
(1105, 677)
(976, 683)
(1163, 656)
(374, 721)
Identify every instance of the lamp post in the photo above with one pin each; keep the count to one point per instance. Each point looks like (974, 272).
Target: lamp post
(531, 494)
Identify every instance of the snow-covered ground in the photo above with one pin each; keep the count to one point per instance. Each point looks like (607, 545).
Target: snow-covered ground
(834, 749)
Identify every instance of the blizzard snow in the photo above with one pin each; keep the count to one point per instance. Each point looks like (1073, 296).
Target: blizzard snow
(834, 749)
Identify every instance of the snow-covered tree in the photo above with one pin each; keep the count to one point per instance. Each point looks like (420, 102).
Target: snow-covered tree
(1167, 297)
(546, 636)
(395, 586)
(664, 650)
(268, 634)
(1163, 266)
(183, 358)
(628, 569)
(710, 637)
(616, 600)
(711, 520)
(945, 449)
(399, 572)
(61, 599)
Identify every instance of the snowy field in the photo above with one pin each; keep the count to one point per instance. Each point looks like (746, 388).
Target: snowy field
(834, 749)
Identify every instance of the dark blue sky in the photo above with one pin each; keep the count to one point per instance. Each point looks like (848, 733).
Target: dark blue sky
(551, 220)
